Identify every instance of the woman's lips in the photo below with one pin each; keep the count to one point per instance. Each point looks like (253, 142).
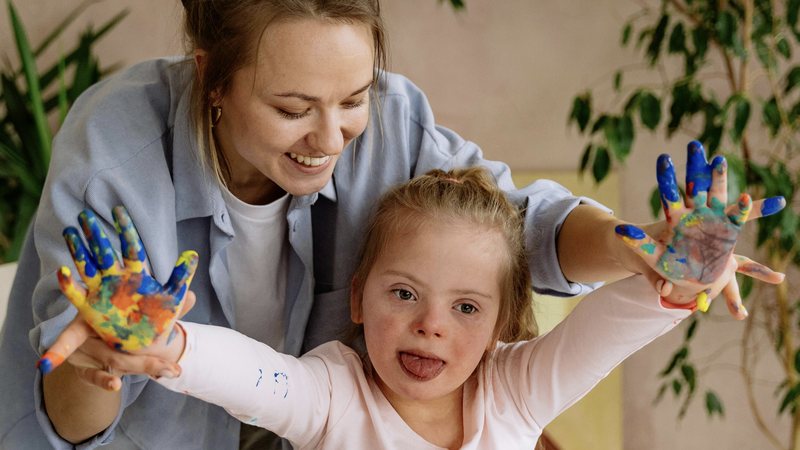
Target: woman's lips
(421, 367)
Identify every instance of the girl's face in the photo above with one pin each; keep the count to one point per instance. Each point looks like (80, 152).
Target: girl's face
(429, 308)
(288, 116)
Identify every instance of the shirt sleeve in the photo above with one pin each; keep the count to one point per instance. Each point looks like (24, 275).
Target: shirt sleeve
(287, 395)
(546, 203)
(547, 375)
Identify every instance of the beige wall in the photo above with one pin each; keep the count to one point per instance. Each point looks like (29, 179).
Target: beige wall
(501, 74)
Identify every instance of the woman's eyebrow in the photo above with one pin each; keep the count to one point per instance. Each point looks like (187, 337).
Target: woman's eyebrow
(309, 98)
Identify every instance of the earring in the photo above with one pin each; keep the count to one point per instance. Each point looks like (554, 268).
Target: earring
(216, 114)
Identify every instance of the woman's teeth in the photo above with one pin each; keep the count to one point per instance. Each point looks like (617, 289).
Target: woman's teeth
(308, 160)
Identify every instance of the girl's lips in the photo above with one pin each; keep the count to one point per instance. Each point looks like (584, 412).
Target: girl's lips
(421, 367)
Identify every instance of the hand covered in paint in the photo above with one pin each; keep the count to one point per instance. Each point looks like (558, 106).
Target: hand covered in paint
(695, 251)
(126, 307)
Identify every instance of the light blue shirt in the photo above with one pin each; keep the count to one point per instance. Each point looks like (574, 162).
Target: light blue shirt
(128, 140)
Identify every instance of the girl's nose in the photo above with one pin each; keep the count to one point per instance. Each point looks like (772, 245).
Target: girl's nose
(430, 323)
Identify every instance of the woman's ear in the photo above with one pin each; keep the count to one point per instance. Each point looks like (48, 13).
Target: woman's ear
(355, 302)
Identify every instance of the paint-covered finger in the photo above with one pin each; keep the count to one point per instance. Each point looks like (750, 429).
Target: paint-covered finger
(646, 247)
(703, 301)
(75, 293)
(668, 187)
(734, 299)
(100, 246)
(718, 194)
(73, 336)
(766, 207)
(100, 378)
(84, 262)
(698, 175)
(739, 212)
(133, 254)
(182, 275)
(747, 266)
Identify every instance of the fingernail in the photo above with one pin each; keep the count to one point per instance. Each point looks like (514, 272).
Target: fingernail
(630, 231)
(743, 312)
(45, 366)
(772, 205)
(660, 286)
(702, 302)
(111, 386)
(49, 361)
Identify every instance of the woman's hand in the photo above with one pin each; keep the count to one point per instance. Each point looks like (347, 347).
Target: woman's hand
(693, 249)
(122, 309)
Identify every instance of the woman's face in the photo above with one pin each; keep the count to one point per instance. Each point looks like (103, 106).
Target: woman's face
(287, 117)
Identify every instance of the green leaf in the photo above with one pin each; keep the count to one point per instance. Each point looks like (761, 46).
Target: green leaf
(792, 79)
(765, 55)
(790, 398)
(700, 41)
(726, 28)
(792, 8)
(626, 34)
(677, 39)
(655, 203)
(741, 117)
(601, 165)
(676, 387)
(797, 361)
(650, 110)
(677, 358)
(581, 110)
(587, 154)
(619, 136)
(632, 103)
(745, 286)
(599, 123)
(771, 116)
(654, 49)
(691, 330)
(617, 80)
(34, 93)
(714, 405)
(689, 374)
(783, 47)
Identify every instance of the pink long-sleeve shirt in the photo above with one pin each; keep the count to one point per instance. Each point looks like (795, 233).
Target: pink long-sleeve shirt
(326, 399)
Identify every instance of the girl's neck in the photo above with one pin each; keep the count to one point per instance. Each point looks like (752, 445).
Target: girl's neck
(439, 421)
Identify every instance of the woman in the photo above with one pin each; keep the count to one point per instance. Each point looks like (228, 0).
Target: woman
(283, 111)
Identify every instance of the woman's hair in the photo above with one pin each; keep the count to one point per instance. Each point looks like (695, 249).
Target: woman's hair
(459, 195)
(230, 32)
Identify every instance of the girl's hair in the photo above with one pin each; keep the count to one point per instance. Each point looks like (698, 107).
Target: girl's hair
(458, 195)
(230, 32)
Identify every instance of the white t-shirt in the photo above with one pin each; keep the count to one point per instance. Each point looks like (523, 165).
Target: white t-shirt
(257, 266)
(326, 399)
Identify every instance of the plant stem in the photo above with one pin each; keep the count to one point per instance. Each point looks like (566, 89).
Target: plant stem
(746, 372)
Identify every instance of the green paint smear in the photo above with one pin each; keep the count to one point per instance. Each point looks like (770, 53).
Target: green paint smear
(649, 248)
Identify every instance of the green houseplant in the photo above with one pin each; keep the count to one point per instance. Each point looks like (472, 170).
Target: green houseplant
(27, 98)
(726, 73)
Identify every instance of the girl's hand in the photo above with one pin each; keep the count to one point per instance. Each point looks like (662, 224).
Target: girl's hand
(122, 307)
(694, 248)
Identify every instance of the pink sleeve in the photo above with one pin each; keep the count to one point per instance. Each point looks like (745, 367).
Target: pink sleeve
(253, 382)
(543, 377)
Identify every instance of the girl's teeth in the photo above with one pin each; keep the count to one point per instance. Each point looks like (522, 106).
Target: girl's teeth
(308, 160)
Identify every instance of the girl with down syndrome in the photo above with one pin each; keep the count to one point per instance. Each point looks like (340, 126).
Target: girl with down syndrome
(443, 295)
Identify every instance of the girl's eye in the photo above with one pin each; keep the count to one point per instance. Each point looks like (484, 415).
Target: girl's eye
(403, 294)
(466, 308)
(290, 115)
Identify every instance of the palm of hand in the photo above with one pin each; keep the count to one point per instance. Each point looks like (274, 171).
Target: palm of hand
(123, 304)
(700, 247)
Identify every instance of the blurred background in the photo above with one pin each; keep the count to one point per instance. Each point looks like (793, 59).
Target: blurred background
(504, 74)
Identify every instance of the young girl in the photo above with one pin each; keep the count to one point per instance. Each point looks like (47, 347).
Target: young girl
(443, 293)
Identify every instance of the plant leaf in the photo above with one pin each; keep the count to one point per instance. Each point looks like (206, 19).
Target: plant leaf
(741, 117)
(601, 164)
(714, 405)
(654, 49)
(581, 110)
(650, 110)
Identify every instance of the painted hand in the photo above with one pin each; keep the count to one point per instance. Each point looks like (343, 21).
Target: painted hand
(126, 307)
(695, 250)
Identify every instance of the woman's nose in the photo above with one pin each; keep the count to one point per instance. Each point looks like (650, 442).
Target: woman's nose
(328, 136)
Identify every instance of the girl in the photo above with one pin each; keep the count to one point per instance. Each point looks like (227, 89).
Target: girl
(443, 292)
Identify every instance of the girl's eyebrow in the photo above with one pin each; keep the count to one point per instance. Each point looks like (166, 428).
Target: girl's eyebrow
(309, 98)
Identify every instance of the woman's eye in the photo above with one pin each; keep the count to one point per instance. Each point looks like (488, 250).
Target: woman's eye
(466, 308)
(403, 294)
(354, 105)
(291, 115)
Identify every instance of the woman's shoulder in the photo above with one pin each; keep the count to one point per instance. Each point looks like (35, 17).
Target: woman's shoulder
(398, 94)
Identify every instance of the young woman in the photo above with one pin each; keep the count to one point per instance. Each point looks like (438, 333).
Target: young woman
(264, 151)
